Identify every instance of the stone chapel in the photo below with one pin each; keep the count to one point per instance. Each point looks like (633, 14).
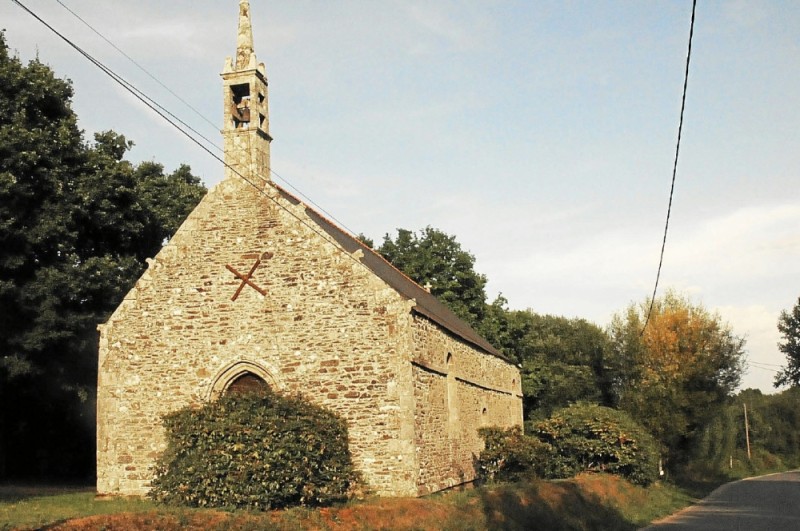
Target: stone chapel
(258, 289)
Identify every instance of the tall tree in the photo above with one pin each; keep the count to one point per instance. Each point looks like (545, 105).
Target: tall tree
(433, 257)
(674, 375)
(563, 360)
(568, 365)
(76, 222)
(789, 327)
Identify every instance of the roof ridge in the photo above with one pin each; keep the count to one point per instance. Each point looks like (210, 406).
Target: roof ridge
(346, 233)
(423, 299)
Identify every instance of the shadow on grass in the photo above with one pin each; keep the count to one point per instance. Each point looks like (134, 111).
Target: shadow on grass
(556, 507)
(15, 493)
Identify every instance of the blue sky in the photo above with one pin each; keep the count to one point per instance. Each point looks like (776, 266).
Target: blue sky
(541, 134)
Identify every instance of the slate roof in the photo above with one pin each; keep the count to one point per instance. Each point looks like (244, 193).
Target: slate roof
(427, 304)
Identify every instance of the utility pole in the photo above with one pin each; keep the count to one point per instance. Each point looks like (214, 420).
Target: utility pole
(747, 432)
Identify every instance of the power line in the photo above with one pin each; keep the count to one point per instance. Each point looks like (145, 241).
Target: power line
(163, 113)
(140, 67)
(201, 115)
(762, 366)
(130, 87)
(674, 168)
(309, 200)
(768, 364)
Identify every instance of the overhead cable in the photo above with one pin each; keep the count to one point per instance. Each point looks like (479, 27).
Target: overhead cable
(187, 104)
(140, 67)
(674, 169)
(165, 115)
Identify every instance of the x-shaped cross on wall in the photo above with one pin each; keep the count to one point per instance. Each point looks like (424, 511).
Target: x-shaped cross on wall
(246, 279)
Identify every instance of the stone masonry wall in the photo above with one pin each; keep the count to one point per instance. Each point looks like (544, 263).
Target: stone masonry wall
(327, 328)
(457, 389)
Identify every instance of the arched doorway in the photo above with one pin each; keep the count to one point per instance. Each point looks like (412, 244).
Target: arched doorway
(242, 376)
(247, 383)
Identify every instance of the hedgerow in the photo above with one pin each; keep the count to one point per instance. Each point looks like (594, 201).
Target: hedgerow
(578, 438)
(588, 437)
(257, 451)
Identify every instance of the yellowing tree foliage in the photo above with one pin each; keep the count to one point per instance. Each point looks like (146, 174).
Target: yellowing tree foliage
(675, 374)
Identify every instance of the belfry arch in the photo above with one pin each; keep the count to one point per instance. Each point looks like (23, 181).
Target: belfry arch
(241, 376)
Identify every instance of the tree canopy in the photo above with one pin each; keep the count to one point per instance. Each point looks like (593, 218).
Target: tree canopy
(789, 327)
(773, 427)
(563, 360)
(673, 375)
(76, 223)
(432, 257)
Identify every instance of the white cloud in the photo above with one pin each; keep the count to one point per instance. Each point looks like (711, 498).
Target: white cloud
(758, 324)
(737, 247)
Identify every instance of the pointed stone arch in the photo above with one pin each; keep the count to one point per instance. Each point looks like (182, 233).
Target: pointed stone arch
(238, 371)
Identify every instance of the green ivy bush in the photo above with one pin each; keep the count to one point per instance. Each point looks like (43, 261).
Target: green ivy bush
(588, 437)
(510, 455)
(256, 451)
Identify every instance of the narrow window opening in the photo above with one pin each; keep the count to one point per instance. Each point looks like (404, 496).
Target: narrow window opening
(240, 106)
(452, 398)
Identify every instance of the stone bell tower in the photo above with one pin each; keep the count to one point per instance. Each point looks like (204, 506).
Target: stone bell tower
(245, 133)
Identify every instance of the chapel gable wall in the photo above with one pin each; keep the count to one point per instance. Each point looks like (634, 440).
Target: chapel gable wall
(324, 327)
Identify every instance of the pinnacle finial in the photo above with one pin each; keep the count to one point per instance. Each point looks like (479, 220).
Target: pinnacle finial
(244, 41)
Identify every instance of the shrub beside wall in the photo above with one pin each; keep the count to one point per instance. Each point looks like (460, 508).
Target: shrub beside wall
(255, 451)
(592, 437)
(510, 455)
(578, 438)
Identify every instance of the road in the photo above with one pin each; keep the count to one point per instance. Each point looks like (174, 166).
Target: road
(766, 503)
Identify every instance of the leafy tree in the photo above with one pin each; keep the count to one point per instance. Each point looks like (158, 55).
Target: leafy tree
(506, 329)
(774, 422)
(433, 257)
(563, 360)
(568, 365)
(774, 430)
(677, 373)
(789, 327)
(366, 240)
(76, 222)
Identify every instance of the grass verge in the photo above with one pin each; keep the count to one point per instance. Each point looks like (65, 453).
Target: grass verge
(590, 501)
